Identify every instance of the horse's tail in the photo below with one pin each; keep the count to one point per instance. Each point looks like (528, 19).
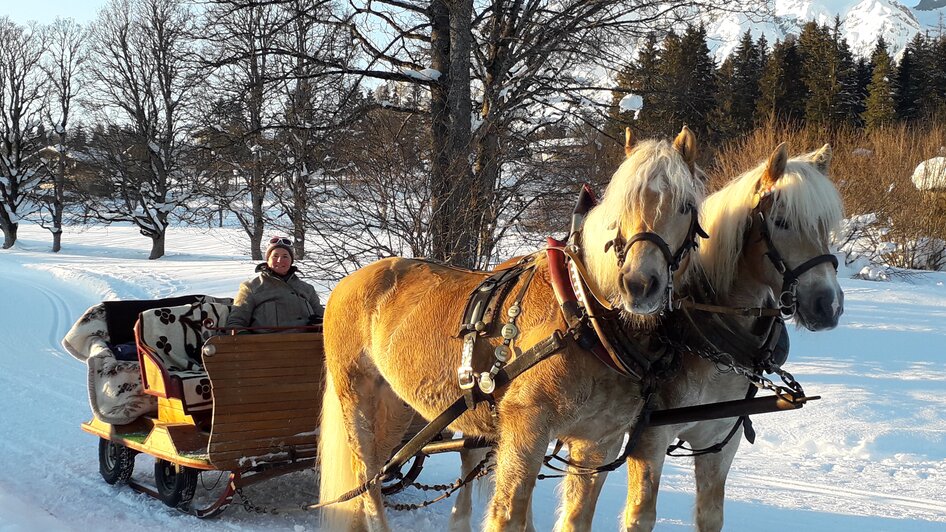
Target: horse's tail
(336, 463)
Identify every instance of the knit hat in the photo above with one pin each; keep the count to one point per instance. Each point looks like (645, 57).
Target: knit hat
(280, 242)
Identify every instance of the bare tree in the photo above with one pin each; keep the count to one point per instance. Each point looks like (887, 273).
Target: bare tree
(143, 85)
(238, 45)
(66, 57)
(21, 102)
(318, 113)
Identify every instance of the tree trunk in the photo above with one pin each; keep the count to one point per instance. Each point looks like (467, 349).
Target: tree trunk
(157, 246)
(58, 193)
(256, 235)
(57, 239)
(441, 214)
(300, 206)
(465, 192)
(9, 234)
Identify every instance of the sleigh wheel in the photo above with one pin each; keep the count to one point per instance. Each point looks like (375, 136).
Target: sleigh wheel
(175, 483)
(116, 462)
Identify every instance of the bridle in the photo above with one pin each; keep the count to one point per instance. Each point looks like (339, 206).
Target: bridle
(788, 297)
(622, 247)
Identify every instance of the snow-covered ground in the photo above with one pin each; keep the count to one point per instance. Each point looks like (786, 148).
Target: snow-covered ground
(871, 455)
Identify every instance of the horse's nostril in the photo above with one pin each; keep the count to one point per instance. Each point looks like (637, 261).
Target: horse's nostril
(642, 286)
(652, 286)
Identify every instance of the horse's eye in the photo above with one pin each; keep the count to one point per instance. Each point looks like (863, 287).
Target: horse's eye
(686, 208)
(782, 223)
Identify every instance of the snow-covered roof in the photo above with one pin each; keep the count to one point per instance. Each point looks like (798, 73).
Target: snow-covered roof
(930, 174)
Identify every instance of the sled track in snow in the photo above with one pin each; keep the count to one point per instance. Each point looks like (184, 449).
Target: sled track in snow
(885, 499)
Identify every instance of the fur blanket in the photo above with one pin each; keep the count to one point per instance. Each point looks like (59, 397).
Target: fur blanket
(114, 386)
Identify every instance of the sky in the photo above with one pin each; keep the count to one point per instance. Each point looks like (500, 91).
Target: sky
(869, 455)
(45, 11)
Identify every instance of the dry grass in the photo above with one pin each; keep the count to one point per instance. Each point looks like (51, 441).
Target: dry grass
(872, 170)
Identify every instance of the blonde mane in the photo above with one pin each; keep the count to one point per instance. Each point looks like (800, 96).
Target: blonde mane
(653, 165)
(804, 197)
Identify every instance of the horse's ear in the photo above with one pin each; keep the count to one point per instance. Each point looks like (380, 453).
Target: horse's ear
(629, 141)
(822, 158)
(685, 144)
(774, 168)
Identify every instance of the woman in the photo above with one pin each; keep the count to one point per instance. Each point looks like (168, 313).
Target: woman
(276, 297)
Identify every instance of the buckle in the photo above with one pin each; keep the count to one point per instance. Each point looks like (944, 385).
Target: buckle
(465, 377)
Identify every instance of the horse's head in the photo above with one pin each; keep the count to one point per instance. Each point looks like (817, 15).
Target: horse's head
(773, 226)
(638, 238)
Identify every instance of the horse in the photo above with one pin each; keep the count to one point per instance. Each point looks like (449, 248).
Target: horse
(391, 349)
(768, 248)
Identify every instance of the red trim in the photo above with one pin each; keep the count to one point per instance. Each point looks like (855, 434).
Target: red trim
(565, 292)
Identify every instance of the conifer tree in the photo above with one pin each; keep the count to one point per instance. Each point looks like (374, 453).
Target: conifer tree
(782, 93)
(880, 104)
(848, 102)
(747, 69)
(814, 44)
(642, 77)
(909, 84)
(690, 76)
(723, 117)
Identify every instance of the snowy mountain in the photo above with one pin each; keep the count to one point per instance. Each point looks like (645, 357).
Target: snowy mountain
(862, 22)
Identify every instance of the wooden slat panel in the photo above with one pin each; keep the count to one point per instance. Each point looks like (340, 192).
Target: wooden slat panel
(267, 391)
(242, 350)
(259, 369)
(278, 427)
(266, 380)
(275, 435)
(230, 418)
(301, 423)
(314, 394)
(237, 410)
(262, 443)
(219, 363)
(236, 460)
(281, 339)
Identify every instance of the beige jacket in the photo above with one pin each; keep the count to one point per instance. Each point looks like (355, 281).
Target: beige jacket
(269, 301)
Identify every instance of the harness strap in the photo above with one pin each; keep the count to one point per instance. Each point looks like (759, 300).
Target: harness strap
(751, 312)
(744, 421)
(535, 354)
(633, 439)
(526, 360)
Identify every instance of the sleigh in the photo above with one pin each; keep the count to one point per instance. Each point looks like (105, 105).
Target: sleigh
(246, 405)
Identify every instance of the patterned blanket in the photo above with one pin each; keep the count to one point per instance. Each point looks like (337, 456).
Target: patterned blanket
(114, 386)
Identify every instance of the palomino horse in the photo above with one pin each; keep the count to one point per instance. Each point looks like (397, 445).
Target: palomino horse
(770, 229)
(391, 349)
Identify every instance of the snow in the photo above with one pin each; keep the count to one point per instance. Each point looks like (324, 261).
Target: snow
(870, 455)
(930, 174)
(862, 21)
(632, 102)
(427, 74)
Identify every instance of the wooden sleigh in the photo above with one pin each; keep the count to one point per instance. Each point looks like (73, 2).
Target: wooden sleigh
(251, 410)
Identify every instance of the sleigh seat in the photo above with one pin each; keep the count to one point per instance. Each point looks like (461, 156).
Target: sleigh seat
(169, 341)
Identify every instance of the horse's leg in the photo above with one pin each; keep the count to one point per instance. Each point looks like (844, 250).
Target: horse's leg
(711, 471)
(524, 438)
(379, 419)
(580, 491)
(391, 419)
(644, 466)
(463, 508)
